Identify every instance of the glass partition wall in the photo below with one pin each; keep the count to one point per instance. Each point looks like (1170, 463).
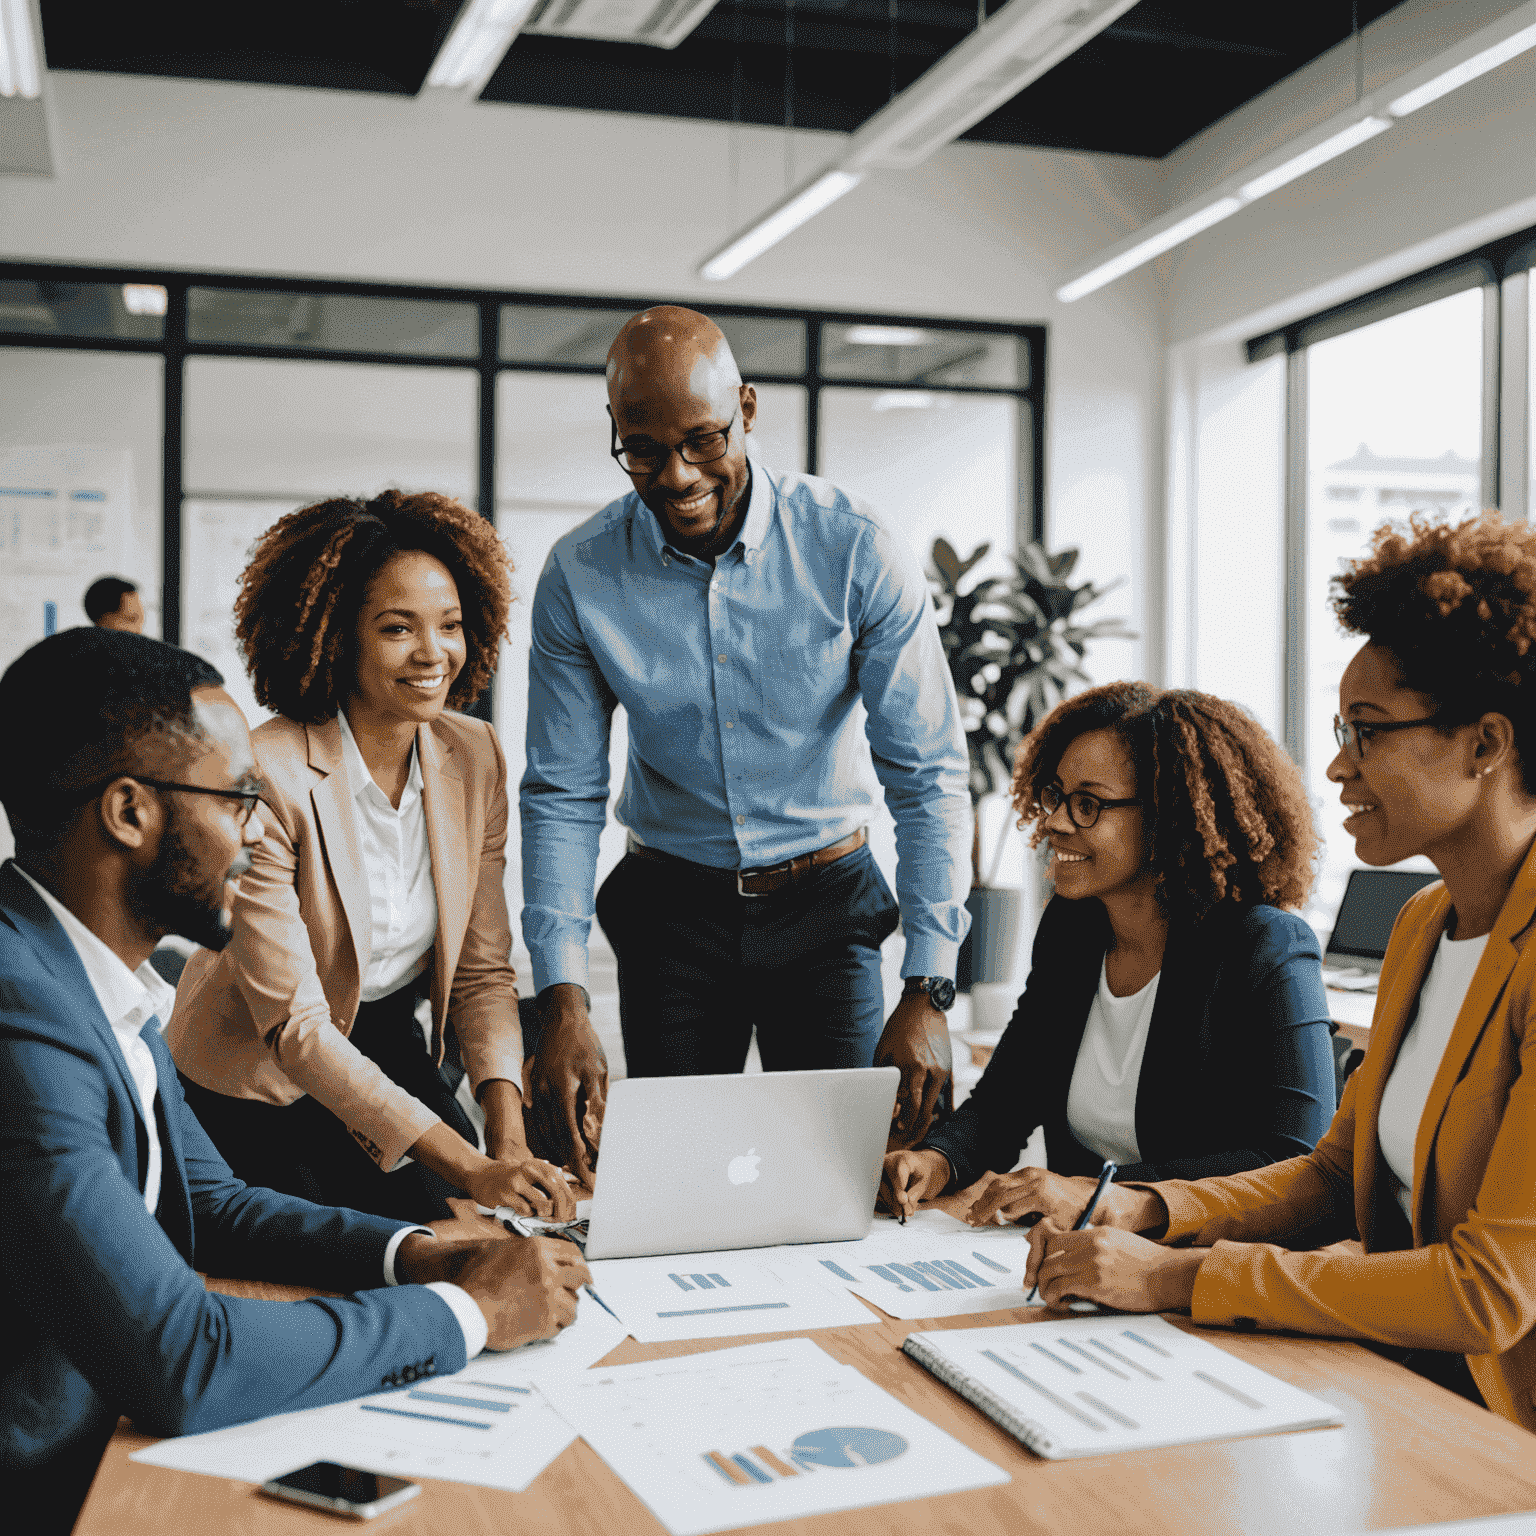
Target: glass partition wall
(250, 397)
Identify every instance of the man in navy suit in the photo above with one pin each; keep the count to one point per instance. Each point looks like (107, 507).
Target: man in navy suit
(133, 797)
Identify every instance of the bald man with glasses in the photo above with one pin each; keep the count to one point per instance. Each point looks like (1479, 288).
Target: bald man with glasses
(774, 648)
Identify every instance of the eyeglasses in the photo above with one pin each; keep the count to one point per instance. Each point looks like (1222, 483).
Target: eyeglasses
(1082, 808)
(651, 458)
(1357, 734)
(248, 798)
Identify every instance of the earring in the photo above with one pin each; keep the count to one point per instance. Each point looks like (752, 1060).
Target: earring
(1483, 773)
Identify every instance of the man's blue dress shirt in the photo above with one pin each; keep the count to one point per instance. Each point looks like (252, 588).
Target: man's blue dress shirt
(750, 686)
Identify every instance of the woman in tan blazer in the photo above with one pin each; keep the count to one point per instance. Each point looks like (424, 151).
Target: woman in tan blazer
(1431, 1160)
(369, 950)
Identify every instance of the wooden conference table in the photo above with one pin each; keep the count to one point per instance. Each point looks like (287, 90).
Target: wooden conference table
(1409, 1453)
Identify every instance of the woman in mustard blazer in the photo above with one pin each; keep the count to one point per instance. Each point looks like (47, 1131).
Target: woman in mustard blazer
(1431, 1159)
(369, 950)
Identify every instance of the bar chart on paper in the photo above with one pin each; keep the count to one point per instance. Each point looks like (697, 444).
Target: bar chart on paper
(758, 1433)
(719, 1295)
(934, 1268)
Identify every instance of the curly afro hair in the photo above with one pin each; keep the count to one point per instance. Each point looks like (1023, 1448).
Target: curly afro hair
(1225, 810)
(296, 615)
(1455, 604)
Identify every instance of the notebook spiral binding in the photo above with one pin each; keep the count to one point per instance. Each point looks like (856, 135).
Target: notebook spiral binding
(1002, 1413)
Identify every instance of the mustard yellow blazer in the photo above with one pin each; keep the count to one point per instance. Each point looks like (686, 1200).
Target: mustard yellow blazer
(268, 1017)
(1468, 1283)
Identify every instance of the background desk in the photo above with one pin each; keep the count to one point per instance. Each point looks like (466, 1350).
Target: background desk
(1409, 1453)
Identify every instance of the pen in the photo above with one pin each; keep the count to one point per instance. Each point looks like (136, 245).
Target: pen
(1110, 1170)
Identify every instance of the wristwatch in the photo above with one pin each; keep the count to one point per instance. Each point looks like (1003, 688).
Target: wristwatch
(940, 990)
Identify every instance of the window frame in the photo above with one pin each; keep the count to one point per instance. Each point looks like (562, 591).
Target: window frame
(176, 348)
(1502, 270)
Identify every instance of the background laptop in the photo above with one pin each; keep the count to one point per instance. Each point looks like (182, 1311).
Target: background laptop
(694, 1164)
(1372, 900)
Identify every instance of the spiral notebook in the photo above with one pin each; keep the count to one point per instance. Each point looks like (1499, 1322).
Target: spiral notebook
(1091, 1385)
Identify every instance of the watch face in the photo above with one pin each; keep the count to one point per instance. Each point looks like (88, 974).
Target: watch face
(941, 994)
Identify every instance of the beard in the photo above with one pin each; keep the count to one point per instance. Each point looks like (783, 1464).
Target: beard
(177, 895)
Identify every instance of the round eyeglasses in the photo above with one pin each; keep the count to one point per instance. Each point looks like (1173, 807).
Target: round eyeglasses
(1356, 735)
(1082, 808)
(645, 457)
(248, 798)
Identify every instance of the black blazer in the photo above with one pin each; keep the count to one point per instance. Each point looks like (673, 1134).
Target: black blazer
(1238, 1070)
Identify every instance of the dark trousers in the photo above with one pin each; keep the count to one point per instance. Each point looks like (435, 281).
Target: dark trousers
(700, 965)
(303, 1149)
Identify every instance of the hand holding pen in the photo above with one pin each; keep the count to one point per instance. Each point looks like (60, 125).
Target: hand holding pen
(1105, 1177)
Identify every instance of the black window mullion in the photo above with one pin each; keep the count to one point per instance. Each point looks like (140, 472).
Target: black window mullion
(172, 458)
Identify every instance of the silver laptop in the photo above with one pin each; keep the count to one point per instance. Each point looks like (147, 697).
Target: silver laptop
(697, 1164)
(1372, 900)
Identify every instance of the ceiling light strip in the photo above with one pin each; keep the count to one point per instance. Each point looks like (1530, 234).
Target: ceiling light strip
(1021, 42)
(476, 42)
(779, 221)
(19, 72)
(1484, 50)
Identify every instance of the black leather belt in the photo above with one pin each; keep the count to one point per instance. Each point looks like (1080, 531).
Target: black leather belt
(765, 881)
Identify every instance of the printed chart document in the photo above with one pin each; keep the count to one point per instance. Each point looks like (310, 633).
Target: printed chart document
(934, 1266)
(1114, 1383)
(758, 1433)
(720, 1295)
(486, 1424)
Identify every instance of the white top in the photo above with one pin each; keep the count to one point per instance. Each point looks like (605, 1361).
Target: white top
(1418, 1057)
(398, 863)
(130, 999)
(1101, 1103)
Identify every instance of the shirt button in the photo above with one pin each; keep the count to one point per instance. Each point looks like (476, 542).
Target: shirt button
(722, 655)
(730, 725)
(741, 821)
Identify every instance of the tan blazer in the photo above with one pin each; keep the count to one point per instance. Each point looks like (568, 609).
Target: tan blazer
(268, 1017)
(1468, 1283)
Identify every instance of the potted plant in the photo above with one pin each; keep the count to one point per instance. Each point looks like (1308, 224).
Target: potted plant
(1015, 646)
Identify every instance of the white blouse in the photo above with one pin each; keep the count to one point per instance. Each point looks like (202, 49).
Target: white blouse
(1418, 1057)
(1101, 1103)
(401, 899)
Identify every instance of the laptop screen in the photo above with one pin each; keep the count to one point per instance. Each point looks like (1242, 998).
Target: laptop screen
(1372, 900)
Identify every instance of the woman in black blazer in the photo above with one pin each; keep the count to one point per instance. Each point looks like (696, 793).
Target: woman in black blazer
(1174, 1021)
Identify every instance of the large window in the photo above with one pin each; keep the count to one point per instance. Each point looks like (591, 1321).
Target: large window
(1414, 399)
(273, 393)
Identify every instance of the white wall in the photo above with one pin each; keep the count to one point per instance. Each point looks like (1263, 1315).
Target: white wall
(251, 178)
(1452, 176)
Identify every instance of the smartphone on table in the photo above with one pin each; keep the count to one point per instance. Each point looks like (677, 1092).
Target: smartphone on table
(342, 1490)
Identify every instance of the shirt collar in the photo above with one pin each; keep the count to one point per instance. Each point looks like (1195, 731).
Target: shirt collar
(362, 783)
(754, 527)
(118, 990)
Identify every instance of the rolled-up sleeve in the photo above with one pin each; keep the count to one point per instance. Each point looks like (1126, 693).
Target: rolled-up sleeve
(564, 794)
(919, 752)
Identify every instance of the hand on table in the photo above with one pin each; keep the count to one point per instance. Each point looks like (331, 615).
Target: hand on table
(1015, 1197)
(1110, 1266)
(906, 1178)
(916, 1039)
(525, 1286)
(566, 1082)
(524, 1183)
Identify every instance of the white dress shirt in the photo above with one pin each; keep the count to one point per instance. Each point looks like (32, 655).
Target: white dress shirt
(1101, 1103)
(130, 999)
(398, 863)
(1418, 1057)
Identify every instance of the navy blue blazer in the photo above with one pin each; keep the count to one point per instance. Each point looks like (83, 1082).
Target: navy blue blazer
(1238, 1070)
(104, 1311)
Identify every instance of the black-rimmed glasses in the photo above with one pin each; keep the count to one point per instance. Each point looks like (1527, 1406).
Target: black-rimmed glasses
(647, 458)
(1357, 734)
(1082, 808)
(248, 798)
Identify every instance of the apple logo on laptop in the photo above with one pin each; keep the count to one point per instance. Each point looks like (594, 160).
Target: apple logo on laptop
(743, 1170)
